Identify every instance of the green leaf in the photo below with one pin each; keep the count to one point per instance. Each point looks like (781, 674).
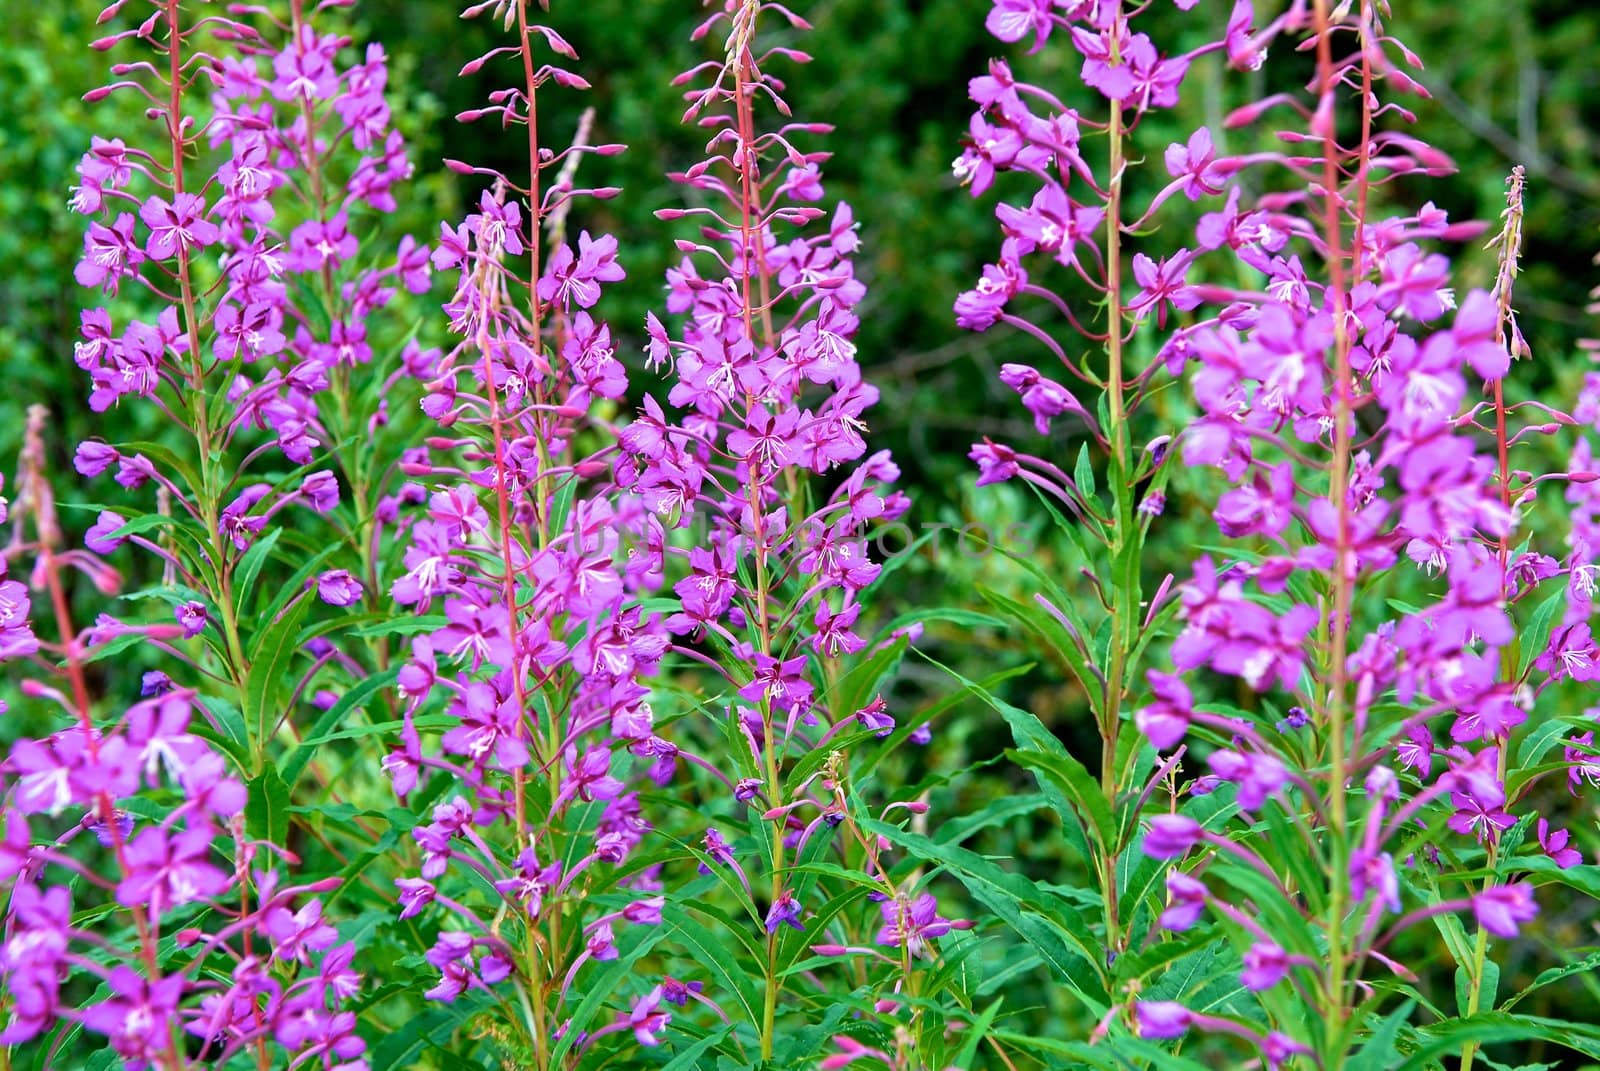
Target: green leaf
(297, 583)
(1380, 1052)
(433, 1027)
(685, 1059)
(354, 699)
(1083, 474)
(561, 504)
(1490, 1028)
(250, 568)
(1031, 735)
(857, 687)
(274, 649)
(231, 732)
(1487, 991)
(1585, 877)
(403, 626)
(910, 724)
(712, 954)
(1536, 637)
(602, 985)
(974, 1034)
(266, 810)
(799, 1048)
(1556, 974)
(1070, 649)
(959, 827)
(1070, 777)
(1053, 928)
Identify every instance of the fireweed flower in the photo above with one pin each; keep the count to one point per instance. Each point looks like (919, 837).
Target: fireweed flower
(785, 911)
(1163, 1019)
(1502, 909)
(1171, 835)
(912, 925)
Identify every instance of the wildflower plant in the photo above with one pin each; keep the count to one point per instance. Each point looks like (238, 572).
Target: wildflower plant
(1378, 594)
(240, 300)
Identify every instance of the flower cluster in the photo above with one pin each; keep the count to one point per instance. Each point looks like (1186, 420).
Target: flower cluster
(127, 838)
(537, 652)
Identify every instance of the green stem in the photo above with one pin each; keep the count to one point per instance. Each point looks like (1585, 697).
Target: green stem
(1126, 535)
(1334, 1017)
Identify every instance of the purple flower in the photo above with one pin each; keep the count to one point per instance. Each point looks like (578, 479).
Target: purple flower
(337, 587)
(1186, 899)
(1555, 845)
(415, 894)
(139, 1018)
(1278, 1048)
(785, 911)
(498, 226)
(1193, 163)
(996, 463)
(875, 716)
(1165, 722)
(109, 254)
(1483, 816)
(178, 226)
(296, 934)
(247, 332)
(99, 537)
(576, 278)
(167, 870)
(1012, 20)
(16, 846)
(1265, 964)
(677, 993)
(490, 729)
(1571, 653)
(92, 458)
(911, 925)
(648, 1019)
(646, 912)
(1257, 775)
(1171, 835)
(1051, 222)
(1162, 1019)
(305, 69)
(1374, 872)
(1500, 908)
(320, 490)
(192, 616)
(589, 777)
(779, 681)
(1043, 397)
